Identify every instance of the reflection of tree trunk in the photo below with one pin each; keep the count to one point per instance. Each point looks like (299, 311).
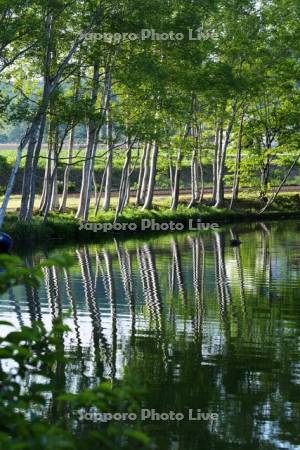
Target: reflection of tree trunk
(111, 296)
(90, 298)
(171, 284)
(198, 259)
(176, 261)
(150, 284)
(58, 379)
(79, 351)
(265, 228)
(16, 304)
(267, 263)
(126, 274)
(52, 291)
(33, 301)
(240, 272)
(171, 276)
(223, 290)
(32, 296)
(69, 291)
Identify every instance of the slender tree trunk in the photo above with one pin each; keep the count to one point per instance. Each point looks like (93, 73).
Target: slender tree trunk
(146, 173)
(54, 203)
(42, 109)
(50, 181)
(50, 194)
(125, 182)
(92, 137)
(67, 172)
(236, 181)
(45, 180)
(176, 180)
(109, 165)
(219, 183)
(177, 174)
(141, 174)
(27, 175)
(98, 200)
(221, 158)
(277, 191)
(215, 165)
(152, 178)
(65, 193)
(33, 173)
(264, 179)
(194, 176)
(196, 171)
(32, 152)
(11, 182)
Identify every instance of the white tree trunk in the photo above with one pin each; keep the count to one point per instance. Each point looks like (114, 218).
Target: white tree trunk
(152, 178)
(64, 198)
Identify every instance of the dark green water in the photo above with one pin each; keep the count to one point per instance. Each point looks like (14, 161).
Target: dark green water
(206, 326)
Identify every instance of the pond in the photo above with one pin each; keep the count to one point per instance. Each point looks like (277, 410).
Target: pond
(207, 327)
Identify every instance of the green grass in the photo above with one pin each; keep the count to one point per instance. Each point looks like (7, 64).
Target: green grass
(65, 228)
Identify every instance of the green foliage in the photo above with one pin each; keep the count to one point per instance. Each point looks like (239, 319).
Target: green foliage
(28, 361)
(13, 273)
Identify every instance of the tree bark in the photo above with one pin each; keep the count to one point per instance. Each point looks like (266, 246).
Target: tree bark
(236, 181)
(138, 200)
(92, 138)
(125, 182)
(274, 196)
(221, 158)
(215, 165)
(146, 173)
(64, 198)
(152, 178)
(32, 130)
(109, 165)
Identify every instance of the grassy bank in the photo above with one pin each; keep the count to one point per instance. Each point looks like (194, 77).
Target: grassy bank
(65, 228)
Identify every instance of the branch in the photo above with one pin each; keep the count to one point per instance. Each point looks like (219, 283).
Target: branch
(272, 199)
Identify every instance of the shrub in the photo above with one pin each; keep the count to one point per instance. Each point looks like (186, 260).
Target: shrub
(34, 354)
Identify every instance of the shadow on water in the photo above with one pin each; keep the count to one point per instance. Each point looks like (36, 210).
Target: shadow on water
(205, 325)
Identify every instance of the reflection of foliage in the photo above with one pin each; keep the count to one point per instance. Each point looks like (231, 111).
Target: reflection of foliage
(32, 363)
(13, 273)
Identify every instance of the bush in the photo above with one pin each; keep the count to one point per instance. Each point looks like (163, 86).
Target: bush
(34, 354)
(4, 171)
(71, 187)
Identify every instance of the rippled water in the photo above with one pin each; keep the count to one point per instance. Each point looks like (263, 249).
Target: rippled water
(205, 325)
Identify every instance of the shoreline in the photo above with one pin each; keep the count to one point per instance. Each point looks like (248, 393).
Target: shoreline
(66, 229)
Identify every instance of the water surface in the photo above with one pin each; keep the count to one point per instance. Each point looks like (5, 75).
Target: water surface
(206, 326)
